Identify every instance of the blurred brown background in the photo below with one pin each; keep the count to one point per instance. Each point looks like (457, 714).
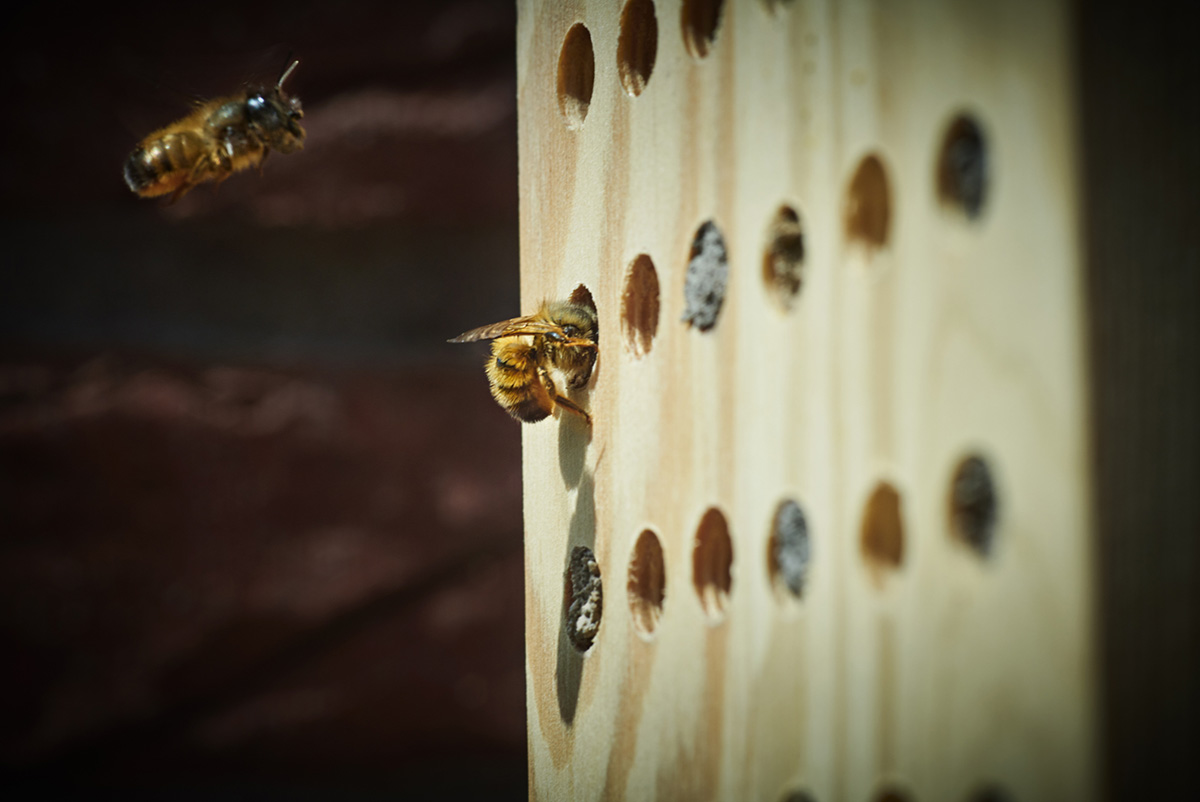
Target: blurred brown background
(260, 526)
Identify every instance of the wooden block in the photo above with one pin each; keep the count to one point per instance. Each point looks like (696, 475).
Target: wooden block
(938, 318)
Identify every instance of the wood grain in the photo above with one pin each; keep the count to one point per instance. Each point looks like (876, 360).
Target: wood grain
(920, 336)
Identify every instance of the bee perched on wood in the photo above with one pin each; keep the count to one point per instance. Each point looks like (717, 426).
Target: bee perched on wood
(216, 140)
(560, 336)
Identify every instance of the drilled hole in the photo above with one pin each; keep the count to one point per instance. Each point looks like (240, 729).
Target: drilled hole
(577, 364)
(789, 551)
(989, 793)
(576, 75)
(883, 530)
(868, 204)
(798, 796)
(701, 18)
(582, 296)
(639, 306)
(973, 504)
(707, 277)
(637, 46)
(712, 562)
(647, 582)
(892, 794)
(583, 598)
(783, 260)
(962, 169)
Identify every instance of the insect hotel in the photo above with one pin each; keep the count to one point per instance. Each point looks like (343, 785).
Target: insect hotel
(832, 533)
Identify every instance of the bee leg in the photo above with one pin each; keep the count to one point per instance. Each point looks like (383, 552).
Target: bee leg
(567, 403)
(231, 140)
(220, 173)
(180, 191)
(561, 400)
(194, 177)
(263, 160)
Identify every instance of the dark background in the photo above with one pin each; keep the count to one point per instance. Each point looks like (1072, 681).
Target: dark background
(260, 526)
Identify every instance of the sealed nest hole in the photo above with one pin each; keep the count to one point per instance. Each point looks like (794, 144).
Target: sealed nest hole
(962, 171)
(707, 277)
(790, 552)
(584, 598)
(973, 505)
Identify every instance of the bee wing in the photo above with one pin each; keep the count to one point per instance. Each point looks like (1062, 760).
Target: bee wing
(530, 324)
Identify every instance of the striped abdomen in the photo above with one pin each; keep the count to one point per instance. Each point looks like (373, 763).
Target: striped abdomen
(517, 382)
(166, 163)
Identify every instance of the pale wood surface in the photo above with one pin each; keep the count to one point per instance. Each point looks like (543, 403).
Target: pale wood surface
(955, 337)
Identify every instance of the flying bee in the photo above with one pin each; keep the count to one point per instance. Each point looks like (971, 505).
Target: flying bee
(561, 336)
(216, 140)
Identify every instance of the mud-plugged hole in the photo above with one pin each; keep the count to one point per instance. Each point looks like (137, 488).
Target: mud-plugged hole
(789, 551)
(712, 563)
(973, 504)
(576, 75)
(867, 210)
(701, 18)
(640, 306)
(583, 599)
(882, 538)
(962, 167)
(647, 582)
(637, 46)
(707, 278)
(893, 794)
(783, 258)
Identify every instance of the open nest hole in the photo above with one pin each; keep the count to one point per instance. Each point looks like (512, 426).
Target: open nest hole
(647, 583)
(712, 563)
(882, 536)
(701, 19)
(783, 259)
(868, 205)
(576, 76)
(637, 46)
(640, 306)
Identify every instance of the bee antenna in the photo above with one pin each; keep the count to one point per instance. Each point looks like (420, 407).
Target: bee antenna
(295, 63)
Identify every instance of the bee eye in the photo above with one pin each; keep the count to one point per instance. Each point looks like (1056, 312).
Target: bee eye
(256, 103)
(570, 331)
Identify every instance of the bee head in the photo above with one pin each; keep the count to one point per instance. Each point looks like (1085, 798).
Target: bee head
(577, 322)
(277, 115)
